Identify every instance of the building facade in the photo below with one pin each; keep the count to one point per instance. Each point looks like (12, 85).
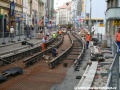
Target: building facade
(63, 14)
(68, 13)
(112, 16)
(10, 20)
(76, 10)
(26, 12)
(95, 10)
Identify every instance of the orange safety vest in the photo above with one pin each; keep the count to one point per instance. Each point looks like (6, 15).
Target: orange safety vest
(87, 37)
(118, 37)
(60, 32)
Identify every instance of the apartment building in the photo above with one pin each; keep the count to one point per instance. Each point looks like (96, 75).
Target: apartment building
(98, 8)
(6, 15)
(63, 14)
(76, 10)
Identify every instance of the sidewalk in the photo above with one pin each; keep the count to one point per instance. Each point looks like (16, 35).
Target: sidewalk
(16, 38)
(8, 48)
(7, 39)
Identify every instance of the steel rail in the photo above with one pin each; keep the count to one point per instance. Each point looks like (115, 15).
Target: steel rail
(35, 58)
(58, 59)
(77, 61)
(16, 56)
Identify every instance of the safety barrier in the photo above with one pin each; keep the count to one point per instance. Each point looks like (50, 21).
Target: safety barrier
(113, 74)
(10, 37)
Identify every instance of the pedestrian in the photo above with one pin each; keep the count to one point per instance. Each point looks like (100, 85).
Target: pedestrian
(87, 39)
(28, 31)
(25, 31)
(31, 31)
(12, 33)
(54, 52)
(118, 39)
(39, 29)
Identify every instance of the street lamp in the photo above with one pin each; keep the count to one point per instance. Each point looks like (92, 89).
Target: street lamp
(90, 17)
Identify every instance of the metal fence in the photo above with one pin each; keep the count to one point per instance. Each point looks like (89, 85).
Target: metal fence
(113, 75)
(7, 37)
(113, 72)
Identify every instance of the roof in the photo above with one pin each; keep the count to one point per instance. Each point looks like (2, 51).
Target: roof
(64, 6)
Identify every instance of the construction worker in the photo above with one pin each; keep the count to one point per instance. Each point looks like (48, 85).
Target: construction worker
(118, 39)
(87, 39)
(43, 43)
(54, 52)
(54, 35)
(60, 32)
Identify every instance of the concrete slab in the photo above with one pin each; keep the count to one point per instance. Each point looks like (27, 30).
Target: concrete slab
(70, 80)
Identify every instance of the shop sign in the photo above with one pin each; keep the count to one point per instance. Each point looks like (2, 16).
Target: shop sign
(17, 19)
(116, 23)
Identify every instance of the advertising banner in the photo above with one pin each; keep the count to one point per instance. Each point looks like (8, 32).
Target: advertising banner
(12, 8)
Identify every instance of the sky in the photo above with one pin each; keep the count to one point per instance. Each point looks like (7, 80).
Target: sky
(98, 8)
(58, 3)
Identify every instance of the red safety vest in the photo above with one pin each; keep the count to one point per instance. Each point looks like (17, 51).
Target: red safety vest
(87, 37)
(118, 37)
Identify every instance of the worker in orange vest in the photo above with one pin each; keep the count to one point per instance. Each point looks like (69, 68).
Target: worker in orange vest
(60, 32)
(87, 40)
(118, 39)
(43, 43)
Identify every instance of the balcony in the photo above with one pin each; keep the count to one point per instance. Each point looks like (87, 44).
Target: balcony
(113, 13)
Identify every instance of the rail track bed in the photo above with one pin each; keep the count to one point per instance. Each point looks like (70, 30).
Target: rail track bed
(39, 76)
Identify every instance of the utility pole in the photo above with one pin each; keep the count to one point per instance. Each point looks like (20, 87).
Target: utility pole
(44, 14)
(85, 14)
(90, 17)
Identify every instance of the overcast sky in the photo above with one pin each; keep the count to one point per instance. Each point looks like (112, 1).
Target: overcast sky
(98, 8)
